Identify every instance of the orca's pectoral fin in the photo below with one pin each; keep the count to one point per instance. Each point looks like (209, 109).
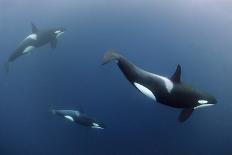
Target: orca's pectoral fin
(176, 77)
(34, 28)
(53, 43)
(185, 114)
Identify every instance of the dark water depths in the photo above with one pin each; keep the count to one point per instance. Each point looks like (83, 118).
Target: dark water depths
(155, 35)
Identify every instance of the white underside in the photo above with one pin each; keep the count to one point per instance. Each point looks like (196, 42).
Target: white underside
(69, 118)
(203, 105)
(28, 49)
(145, 91)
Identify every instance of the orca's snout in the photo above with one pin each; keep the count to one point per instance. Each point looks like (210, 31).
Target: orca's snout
(103, 126)
(214, 101)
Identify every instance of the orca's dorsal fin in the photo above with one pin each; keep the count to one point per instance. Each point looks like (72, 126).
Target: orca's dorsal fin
(185, 114)
(176, 76)
(34, 28)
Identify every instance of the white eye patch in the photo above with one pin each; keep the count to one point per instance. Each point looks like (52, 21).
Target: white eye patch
(57, 32)
(96, 126)
(202, 101)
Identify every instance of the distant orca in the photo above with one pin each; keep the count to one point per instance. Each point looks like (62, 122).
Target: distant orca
(171, 92)
(79, 117)
(37, 39)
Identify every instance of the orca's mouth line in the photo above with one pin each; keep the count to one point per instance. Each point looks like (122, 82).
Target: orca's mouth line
(203, 105)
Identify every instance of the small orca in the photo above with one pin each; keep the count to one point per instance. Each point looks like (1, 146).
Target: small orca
(168, 91)
(79, 117)
(37, 39)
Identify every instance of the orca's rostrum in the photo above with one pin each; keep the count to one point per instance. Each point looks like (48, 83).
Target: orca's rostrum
(169, 91)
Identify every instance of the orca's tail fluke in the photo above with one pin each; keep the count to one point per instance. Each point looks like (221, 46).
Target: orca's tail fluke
(7, 66)
(109, 56)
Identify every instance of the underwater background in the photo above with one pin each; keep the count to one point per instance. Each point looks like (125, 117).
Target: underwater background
(155, 35)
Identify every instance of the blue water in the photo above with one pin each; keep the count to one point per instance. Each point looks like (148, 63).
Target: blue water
(155, 35)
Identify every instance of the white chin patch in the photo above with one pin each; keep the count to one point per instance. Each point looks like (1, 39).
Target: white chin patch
(145, 91)
(69, 118)
(202, 101)
(32, 36)
(203, 105)
(28, 49)
(96, 126)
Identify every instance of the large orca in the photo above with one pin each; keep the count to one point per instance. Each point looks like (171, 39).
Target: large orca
(37, 39)
(79, 117)
(169, 91)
